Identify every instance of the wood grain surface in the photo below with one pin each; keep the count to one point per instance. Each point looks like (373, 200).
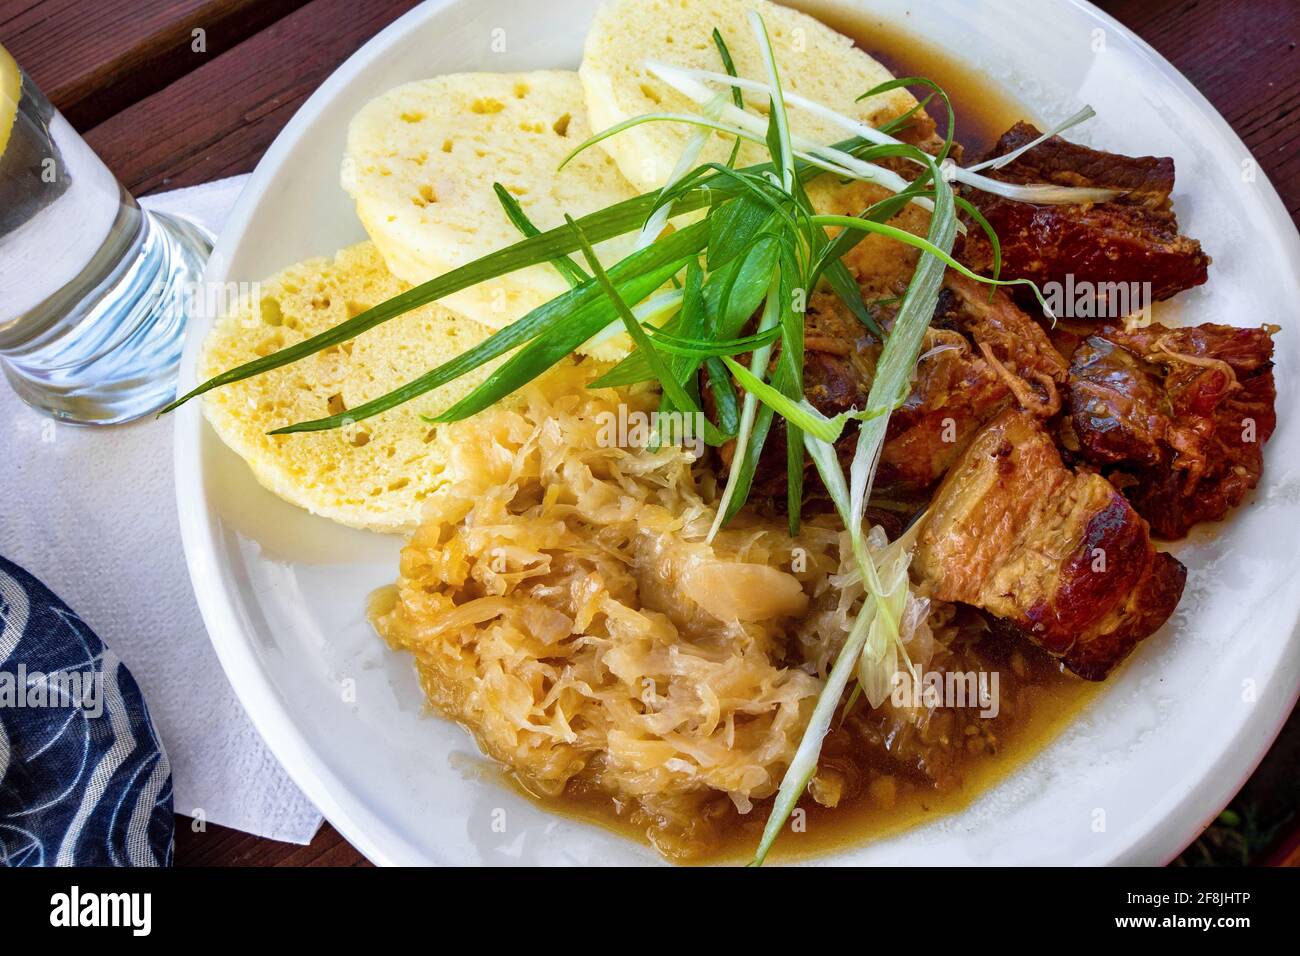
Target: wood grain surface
(166, 106)
(94, 59)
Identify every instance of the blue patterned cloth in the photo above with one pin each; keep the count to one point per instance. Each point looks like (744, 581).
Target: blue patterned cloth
(84, 780)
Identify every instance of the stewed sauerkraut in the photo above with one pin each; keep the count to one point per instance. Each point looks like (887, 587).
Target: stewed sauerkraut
(561, 603)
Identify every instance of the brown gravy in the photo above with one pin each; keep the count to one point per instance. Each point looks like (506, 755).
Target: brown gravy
(984, 110)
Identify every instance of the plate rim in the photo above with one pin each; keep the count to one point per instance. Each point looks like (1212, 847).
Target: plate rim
(270, 714)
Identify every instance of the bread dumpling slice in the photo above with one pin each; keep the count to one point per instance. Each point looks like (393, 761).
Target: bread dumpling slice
(373, 474)
(421, 161)
(812, 59)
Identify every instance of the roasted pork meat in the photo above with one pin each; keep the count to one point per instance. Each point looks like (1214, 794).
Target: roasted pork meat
(1177, 417)
(1056, 555)
(1101, 250)
(983, 354)
(986, 354)
(955, 392)
(1014, 344)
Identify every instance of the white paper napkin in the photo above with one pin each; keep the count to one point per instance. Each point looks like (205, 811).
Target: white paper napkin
(91, 512)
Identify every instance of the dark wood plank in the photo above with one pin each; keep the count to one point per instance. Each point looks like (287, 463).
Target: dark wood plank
(219, 846)
(94, 59)
(1243, 56)
(218, 120)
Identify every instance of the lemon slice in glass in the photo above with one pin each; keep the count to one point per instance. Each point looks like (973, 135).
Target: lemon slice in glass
(11, 83)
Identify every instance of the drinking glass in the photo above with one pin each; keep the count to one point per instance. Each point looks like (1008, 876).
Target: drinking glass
(94, 290)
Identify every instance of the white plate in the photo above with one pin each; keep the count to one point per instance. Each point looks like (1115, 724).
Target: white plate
(1160, 752)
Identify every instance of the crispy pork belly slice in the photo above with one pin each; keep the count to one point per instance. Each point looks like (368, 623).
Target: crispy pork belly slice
(1056, 555)
(1132, 239)
(1178, 417)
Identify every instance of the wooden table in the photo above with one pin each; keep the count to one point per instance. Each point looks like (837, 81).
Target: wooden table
(178, 92)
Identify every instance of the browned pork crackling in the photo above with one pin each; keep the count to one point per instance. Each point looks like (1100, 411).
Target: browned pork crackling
(1051, 553)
